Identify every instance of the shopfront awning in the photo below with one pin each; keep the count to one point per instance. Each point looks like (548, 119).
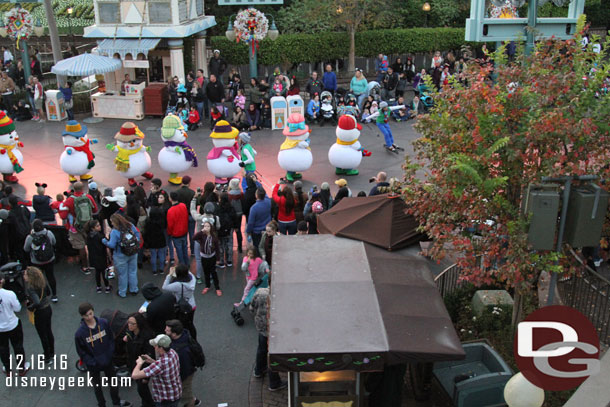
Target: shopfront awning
(121, 46)
(341, 304)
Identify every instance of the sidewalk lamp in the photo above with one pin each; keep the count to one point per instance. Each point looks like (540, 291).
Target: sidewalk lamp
(70, 10)
(230, 34)
(426, 8)
(38, 28)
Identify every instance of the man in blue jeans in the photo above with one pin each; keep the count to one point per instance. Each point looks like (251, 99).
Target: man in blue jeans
(177, 227)
(260, 215)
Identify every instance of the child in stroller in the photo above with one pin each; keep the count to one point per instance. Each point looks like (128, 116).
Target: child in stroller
(351, 107)
(327, 110)
(375, 91)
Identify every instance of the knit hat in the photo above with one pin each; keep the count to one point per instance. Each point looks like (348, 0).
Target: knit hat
(224, 130)
(92, 186)
(161, 340)
(341, 183)
(324, 185)
(171, 123)
(296, 126)
(6, 124)
(75, 129)
(209, 208)
(181, 88)
(217, 51)
(317, 207)
(128, 132)
(234, 184)
(383, 105)
(245, 137)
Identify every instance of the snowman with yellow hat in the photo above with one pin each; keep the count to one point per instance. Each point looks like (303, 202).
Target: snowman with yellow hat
(224, 158)
(11, 159)
(132, 159)
(295, 154)
(77, 158)
(176, 156)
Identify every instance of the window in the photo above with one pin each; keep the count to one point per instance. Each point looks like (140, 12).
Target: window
(109, 13)
(199, 7)
(182, 10)
(160, 12)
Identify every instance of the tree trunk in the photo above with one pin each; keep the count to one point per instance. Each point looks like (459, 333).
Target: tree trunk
(54, 36)
(351, 65)
(517, 308)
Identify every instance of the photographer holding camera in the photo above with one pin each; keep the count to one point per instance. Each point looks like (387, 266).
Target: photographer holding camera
(11, 330)
(382, 185)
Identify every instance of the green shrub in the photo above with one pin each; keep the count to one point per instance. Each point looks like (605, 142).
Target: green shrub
(296, 48)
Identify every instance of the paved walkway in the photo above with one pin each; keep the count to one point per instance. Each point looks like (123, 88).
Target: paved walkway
(230, 350)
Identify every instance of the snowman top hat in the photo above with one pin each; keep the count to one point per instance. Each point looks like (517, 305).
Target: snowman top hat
(6, 124)
(296, 126)
(75, 129)
(128, 132)
(171, 123)
(224, 130)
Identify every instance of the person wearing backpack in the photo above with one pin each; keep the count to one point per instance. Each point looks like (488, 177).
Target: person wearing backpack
(226, 214)
(82, 207)
(125, 243)
(181, 283)
(190, 355)
(41, 246)
(236, 197)
(38, 294)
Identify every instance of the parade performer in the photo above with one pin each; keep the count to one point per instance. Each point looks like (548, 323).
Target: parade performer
(77, 158)
(132, 159)
(346, 154)
(177, 156)
(11, 159)
(223, 160)
(295, 154)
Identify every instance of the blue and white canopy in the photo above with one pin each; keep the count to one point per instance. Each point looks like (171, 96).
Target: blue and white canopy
(123, 46)
(86, 64)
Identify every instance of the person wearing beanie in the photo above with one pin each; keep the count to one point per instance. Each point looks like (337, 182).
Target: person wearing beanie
(325, 196)
(384, 126)
(247, 153)
(160, 307)
(312, 218)
(217, 65)
(11, 159)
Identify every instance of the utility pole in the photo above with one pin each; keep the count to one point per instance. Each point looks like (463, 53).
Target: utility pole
(54, 35)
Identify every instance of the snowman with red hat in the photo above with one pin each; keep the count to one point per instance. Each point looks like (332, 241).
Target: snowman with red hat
(132, 158)
(11, 158)
(346, 154)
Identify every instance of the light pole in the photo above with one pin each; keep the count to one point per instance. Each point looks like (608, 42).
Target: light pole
(426, 8)
(70, 10)
(272, 33)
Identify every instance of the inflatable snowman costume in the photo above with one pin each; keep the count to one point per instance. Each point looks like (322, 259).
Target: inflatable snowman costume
(295, 154)
(77, 158)
(223, 159)
(346, 154)
(132, 159)
(176, 156)
(11, 159)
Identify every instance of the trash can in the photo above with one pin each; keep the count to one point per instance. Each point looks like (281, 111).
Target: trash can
(56, 110)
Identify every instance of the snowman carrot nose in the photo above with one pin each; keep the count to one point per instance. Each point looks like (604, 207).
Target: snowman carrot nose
(83, 139)
(131, 144)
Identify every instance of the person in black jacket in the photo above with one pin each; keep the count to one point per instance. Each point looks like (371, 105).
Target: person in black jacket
(215, 91)
(217, 65)
(137, 342)
(98, 255)
(390, 82)
(42, 204)
(155, 191)
(160, 307)
(249, 195)
(38, 294)
(154, 238)
(95, 346)
(180, 343)
(19, 228)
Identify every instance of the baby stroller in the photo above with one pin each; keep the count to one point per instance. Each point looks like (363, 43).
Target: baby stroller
(351, 106)
(340, 96)
(327, 109)
(424, 97)
(262, 282)
(374, 90)
(13, 279)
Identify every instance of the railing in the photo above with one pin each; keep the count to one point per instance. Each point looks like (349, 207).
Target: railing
(588, 292)
(448, 280)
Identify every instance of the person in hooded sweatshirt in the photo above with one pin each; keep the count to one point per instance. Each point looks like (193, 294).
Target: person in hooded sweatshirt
(160, 307)
(95, 346)
(42, 205)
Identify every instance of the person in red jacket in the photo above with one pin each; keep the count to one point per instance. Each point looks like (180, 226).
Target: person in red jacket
(76, 232)
(193, 118)
(177, 227)
(286, 203)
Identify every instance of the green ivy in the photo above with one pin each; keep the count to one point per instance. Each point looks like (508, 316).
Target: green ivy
(296, 48)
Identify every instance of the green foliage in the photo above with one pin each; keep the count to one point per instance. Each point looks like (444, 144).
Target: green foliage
(296, 48)
(305, 16)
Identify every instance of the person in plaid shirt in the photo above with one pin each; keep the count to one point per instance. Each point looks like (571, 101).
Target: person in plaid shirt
(164, 373)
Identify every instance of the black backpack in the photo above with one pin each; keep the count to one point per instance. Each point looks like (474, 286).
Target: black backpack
(226, 216)
(197, 355)
(183, 307)
(129, 243)
(42, 249)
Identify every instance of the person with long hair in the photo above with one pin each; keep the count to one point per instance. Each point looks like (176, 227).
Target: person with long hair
(250, 266)
(265, 247)
(285, 201)
(137, 343)
(38, 295)
(325, 196)
(126, 265)
(209, 248)
(41, 255)
(155, 238)
(181, 282)
(300, 199)
(98, 254)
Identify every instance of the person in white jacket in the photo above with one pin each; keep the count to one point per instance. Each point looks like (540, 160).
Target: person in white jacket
(181, 283)
(11, 330)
